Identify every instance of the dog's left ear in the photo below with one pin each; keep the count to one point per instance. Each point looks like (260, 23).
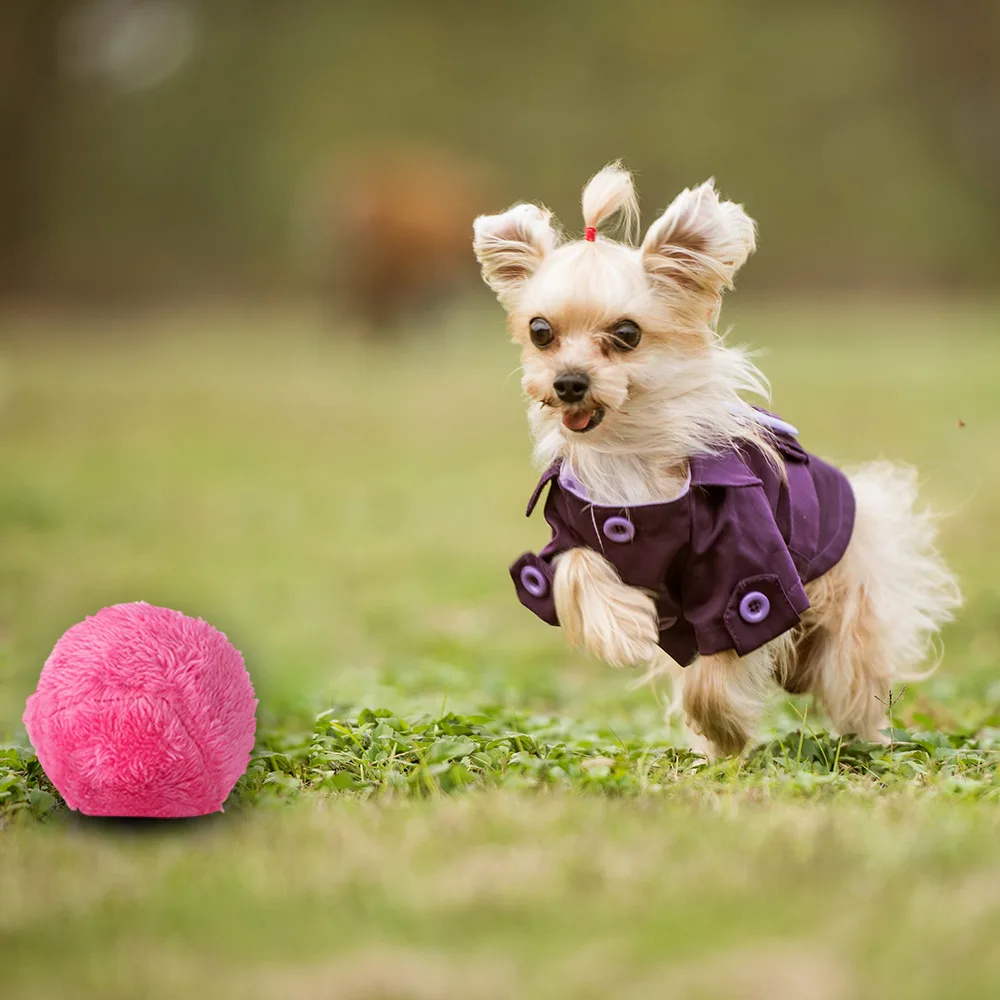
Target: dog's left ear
(511, 246)
(699, 242)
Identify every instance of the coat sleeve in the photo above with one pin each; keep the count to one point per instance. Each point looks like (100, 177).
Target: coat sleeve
(741, 588)
(533, 574)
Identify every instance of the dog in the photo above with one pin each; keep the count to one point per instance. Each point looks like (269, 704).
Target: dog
(692, 533)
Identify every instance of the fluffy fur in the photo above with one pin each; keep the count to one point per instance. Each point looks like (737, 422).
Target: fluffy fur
(680, 392)
(142, 711)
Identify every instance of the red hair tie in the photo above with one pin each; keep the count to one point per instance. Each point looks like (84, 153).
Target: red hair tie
(590, 234)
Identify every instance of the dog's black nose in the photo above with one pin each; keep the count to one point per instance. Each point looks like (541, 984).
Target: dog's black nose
(571, 387)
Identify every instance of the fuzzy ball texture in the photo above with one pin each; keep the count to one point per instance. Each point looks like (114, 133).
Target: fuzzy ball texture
(142, 711)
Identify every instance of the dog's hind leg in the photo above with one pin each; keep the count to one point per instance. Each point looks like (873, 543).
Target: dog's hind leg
(874, 616)
(724, 695)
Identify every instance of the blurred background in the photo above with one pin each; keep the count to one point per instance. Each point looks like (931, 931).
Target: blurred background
(163, 148)
(248, 370)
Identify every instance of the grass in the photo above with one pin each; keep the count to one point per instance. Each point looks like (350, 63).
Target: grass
(444, 801)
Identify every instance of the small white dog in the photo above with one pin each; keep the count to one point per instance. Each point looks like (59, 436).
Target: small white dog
(689, 528)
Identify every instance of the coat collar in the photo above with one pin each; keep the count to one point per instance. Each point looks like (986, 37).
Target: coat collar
(728, 468)
(547, 476)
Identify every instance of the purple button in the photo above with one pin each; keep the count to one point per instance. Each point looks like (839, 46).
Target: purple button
(619, 529)
(534, 582)
(754, 607)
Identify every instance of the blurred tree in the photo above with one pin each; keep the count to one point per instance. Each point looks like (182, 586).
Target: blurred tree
(951, 58)
(29, 94)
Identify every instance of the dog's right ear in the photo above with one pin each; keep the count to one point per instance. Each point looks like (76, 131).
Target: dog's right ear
(699, 242)
(511, 246)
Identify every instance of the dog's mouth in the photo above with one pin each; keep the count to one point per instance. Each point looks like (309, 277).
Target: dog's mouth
(581, 421)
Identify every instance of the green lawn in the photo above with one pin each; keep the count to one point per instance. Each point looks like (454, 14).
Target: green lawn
(445, 802)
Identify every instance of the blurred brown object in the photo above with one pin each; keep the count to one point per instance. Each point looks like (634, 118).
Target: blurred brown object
(396, 229)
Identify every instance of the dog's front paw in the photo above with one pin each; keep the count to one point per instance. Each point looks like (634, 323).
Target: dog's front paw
(599, 613)
(628, 637)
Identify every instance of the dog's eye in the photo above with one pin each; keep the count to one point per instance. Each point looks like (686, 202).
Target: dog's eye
(625, 335)
(541, 332)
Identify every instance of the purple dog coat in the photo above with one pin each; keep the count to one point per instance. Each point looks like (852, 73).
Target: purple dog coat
(725, 561)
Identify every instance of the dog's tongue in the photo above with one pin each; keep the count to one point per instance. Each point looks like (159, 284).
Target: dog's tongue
(577, 421)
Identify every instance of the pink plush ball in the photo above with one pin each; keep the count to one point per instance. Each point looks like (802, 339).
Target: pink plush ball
(142, 711)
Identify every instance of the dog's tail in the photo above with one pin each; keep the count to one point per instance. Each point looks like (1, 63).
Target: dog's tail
(905, 577)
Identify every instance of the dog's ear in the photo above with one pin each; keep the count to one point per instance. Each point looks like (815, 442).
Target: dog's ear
(509, 247)
(699, 242)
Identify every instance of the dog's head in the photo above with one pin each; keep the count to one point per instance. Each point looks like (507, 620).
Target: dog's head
(611, 332)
